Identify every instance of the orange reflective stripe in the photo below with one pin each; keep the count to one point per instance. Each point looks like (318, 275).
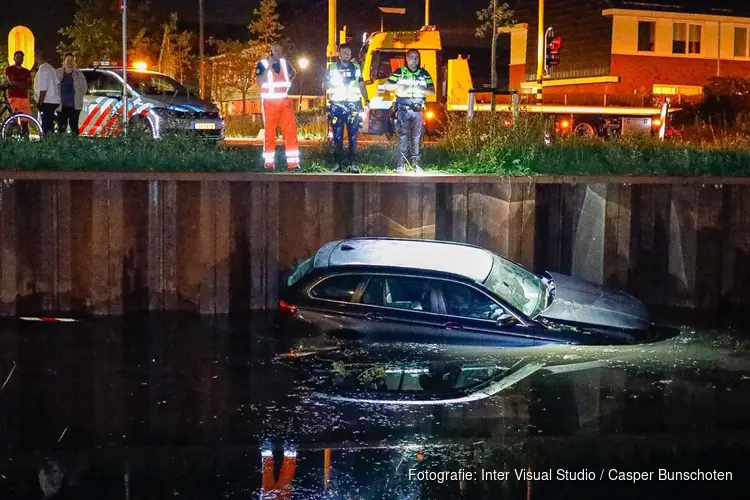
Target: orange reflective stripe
(277, 85)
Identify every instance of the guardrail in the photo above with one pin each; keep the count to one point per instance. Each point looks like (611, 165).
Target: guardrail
(494, 92)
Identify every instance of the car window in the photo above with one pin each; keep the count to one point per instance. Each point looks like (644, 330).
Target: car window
(155, 84)
(385, 63)
(103, 84)
(341, 287)
(467, 302)
(398, 292)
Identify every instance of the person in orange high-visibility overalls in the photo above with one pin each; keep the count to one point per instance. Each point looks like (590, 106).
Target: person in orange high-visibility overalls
(275, 75)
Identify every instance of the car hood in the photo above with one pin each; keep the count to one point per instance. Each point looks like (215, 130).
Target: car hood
(580, 301)
(181, 103)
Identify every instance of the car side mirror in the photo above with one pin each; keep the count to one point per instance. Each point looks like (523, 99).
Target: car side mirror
(506, 320)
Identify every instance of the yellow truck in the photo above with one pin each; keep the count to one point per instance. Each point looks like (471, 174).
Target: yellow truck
(384, 52)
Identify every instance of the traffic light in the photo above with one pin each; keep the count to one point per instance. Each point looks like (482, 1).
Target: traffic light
(552, 57)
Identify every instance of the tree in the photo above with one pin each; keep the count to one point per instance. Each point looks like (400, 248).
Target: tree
(233, 72)
(96, 32)
(176, 54)
(491, 19)
(3, 62)
(266, 27)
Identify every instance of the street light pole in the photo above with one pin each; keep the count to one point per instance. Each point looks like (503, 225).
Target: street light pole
(124, 67)
(202, 49)
(540, 54)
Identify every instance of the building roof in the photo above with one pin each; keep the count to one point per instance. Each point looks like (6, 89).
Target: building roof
(441, 256)
(736, 8)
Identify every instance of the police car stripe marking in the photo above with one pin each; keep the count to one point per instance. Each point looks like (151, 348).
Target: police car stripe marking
(101, 102)
(95, 128)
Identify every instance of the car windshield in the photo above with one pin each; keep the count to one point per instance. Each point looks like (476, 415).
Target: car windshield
(518, 286)
(155, 84)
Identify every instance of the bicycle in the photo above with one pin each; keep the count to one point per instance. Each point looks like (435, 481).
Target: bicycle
(17, 125)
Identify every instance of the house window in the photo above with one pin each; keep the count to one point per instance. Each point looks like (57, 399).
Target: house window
(740, 42)
(646, 36)
(694, 39)
(686, 38)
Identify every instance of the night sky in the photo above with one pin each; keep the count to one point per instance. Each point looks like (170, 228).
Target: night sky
(305, 21)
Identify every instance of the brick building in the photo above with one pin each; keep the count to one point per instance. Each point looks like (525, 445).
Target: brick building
(626, 52)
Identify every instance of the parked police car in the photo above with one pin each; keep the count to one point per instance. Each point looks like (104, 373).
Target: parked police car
(157, 106)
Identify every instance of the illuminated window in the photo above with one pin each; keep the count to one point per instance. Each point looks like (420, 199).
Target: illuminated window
(686, 38)
(685, 90)
(740, 42)
(646, 36)
(694, 40)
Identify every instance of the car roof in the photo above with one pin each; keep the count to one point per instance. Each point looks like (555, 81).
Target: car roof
(440, 256)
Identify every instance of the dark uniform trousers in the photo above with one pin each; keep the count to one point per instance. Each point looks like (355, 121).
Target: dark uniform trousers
(410, 129)
(345, 115)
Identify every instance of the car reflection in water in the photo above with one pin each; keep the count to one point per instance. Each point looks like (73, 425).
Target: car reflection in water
(400, 374)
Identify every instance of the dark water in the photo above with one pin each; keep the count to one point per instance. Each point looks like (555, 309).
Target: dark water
(187, 407)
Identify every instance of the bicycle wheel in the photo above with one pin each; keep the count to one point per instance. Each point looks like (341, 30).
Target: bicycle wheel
(20, 126)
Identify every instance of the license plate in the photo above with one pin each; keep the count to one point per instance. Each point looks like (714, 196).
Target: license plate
(204, 126)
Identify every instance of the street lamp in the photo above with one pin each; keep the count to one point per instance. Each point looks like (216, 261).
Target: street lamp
(303, 63)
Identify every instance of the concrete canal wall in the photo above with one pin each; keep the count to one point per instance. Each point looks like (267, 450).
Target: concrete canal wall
(218, 243)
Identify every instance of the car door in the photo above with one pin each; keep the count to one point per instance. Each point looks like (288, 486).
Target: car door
(100, 104)
(402, 308)
(332, 304)
(471, 318)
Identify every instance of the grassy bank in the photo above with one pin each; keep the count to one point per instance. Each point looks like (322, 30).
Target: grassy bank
(479, 147)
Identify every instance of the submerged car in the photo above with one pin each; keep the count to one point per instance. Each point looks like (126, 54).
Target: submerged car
(442, 292)
(158, 106)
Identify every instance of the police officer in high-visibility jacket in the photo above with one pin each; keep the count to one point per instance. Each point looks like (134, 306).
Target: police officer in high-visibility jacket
(412, 85)
(275, 75)
(346, 89)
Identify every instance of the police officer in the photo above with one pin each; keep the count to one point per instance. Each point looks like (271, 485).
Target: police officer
(346, 89)
(412, 85)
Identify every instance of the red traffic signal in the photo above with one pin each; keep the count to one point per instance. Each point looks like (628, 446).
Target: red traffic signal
(553, 51)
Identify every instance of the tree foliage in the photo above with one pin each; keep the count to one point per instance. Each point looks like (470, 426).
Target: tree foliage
(503, 16)
(3, 62)
(266, 27)
(176, 55)
(96, 32)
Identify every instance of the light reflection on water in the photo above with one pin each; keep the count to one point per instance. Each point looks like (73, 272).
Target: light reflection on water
(186, 406)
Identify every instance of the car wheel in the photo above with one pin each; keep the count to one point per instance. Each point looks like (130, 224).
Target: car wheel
(584, 130)
(140, 127)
